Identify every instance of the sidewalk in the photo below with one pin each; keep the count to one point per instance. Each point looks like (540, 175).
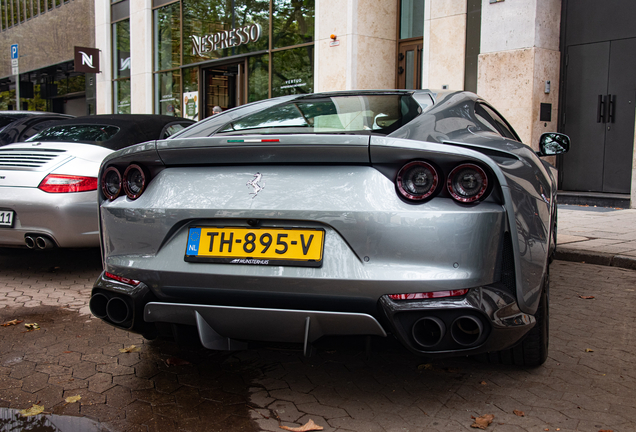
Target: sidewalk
(597, 235)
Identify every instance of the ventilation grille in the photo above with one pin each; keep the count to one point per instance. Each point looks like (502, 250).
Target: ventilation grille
(26, 158)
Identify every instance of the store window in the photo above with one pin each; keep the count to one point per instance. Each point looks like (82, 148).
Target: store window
(121, 66)
(169, 91)
(167, 37)
(214, 29)
(293, 22)
(230, 52)
(411, 19)
(293, 71)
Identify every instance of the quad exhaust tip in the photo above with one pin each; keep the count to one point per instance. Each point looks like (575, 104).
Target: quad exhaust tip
(117, 310)
(428, 331)
(467, 330)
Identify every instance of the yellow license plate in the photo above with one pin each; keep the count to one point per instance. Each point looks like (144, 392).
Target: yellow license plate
(256, 246)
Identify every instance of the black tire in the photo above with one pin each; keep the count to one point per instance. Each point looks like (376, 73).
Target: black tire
(532, 350)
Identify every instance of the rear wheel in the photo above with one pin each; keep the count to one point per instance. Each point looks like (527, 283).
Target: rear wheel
(533, 348)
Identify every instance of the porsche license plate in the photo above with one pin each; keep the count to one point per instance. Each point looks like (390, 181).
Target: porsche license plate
(6, 218)
(256, 246)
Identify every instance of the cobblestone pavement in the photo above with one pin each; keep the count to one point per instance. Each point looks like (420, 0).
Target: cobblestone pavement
(587, 384)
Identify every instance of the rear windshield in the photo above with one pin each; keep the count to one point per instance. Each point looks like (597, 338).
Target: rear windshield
(380, 114)
(85, 133)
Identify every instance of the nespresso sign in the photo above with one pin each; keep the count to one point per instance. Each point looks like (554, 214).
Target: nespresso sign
(86, 60)
(202, 45)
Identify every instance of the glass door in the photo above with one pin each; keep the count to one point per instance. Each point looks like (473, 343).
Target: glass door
(410, 64)
(224, 87)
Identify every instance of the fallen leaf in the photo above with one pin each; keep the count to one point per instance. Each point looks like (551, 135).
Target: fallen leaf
(606, 430)
(129, 349)
(12, 322)
(586, 297)
(72, 399)
(67, 352)
(309, 426)
(34, 410)
(519, 413)
(174, 361)
(32, 326)
(589, 350)
(427, 366)
(482, 422)
(483, 383)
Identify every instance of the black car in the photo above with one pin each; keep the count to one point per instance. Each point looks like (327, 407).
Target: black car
(24, 126)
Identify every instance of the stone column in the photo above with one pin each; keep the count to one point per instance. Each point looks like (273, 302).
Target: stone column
(103, 41)
(519, 53)
(141, 48)
(443, 59)
(365, 56)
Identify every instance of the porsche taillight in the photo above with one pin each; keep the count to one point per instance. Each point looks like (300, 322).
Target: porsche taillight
(467, 183)
(59, 183)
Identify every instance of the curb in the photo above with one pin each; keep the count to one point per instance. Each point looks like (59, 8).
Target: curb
(598, 258)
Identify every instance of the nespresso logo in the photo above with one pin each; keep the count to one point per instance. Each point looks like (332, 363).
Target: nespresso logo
(225, 39)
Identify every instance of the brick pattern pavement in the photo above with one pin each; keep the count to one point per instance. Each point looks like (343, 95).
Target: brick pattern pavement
(587, 384)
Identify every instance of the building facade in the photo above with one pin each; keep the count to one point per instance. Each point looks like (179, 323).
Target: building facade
(183, 57)
(46, 32)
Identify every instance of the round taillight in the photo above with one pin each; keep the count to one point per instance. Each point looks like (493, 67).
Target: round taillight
(111, 183)
(467, 183)
(134, 181)
(417, 180)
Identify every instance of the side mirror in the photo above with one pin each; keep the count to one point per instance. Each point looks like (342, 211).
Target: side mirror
(553, 143)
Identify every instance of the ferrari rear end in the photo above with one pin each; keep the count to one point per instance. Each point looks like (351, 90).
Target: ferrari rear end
(255, 233)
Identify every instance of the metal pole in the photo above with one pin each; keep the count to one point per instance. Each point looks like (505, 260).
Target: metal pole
(17, 91)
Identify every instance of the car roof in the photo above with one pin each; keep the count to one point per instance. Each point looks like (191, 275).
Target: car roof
(133, 128)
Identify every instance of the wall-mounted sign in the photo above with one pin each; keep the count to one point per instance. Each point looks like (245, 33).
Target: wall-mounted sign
(202, 45)
(86, 60)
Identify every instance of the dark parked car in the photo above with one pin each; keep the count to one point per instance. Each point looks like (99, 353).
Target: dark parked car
(24, 128)
(48, 185)
(411, 214)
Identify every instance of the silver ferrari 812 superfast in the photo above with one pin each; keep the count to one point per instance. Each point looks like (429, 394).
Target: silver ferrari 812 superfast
(417, 215)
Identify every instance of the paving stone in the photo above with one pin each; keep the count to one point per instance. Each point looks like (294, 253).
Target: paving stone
(35, 382)
(84, 370)
(118, 396)
(100, 382)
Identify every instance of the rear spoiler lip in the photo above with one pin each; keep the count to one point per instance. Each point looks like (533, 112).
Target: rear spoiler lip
(266, 149)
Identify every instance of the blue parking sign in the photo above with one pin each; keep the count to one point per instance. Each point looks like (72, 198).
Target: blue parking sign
(14, 51)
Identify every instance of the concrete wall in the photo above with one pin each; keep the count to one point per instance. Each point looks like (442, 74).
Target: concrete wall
(519, 53)
(366, 55)
(49, 38)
